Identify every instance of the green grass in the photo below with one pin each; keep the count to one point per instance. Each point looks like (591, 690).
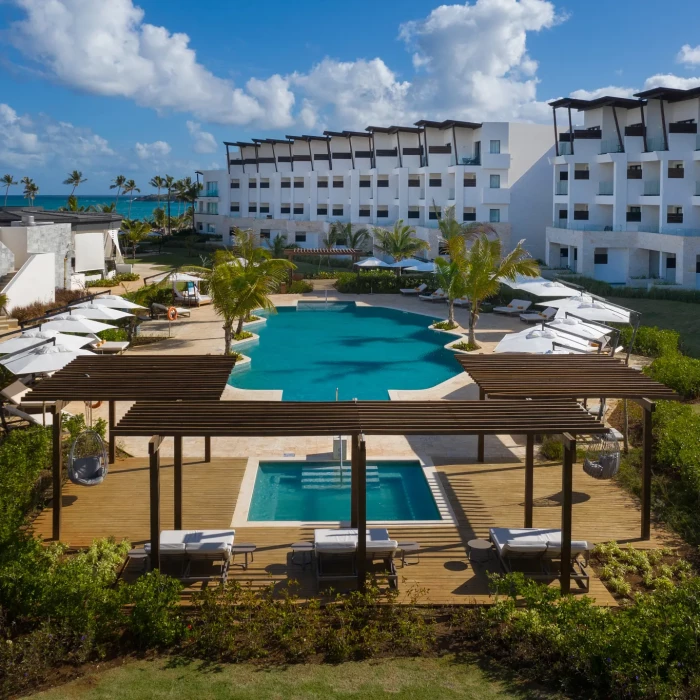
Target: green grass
(169, 257)
(398, 679)
(673, 315)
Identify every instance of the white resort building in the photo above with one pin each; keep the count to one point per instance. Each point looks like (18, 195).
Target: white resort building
(495, 172)
(627, 189)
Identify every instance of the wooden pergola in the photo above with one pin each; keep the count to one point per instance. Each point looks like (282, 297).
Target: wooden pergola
(509, 376)
(173, 378)
(356, 419)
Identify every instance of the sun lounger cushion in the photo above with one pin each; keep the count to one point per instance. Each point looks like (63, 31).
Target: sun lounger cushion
(344, 540)
(524, 541)
(208, 541)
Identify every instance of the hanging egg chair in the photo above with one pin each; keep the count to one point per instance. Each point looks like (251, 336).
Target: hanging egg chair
(602, 460)
(87, 462)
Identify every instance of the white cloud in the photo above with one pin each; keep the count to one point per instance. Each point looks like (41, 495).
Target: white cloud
(204, 142)
(104, 47)
(690, 55)
(609, 91)
(152, 151)
(671, 81)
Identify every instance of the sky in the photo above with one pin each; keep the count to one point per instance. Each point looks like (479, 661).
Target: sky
(113, 87)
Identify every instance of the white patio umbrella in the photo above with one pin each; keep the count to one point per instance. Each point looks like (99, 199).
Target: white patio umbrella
(547, 288)
(372, 262)
(30, 338)
(74, 323)
(111, 301)
(408, 262)
(47, 358)
(589, 309)
(573, 325)
(178, 277)
(540, 341)
(521, 279)
(100, 313)
(421, 267)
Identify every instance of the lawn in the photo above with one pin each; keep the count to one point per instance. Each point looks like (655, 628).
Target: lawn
(399, 679)
(673, 315)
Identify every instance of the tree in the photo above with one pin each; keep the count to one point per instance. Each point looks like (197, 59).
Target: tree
(130, 188)
(31, 189)
(7, 182)
(242, 282)
(486, 266)
(451, 228)
(452, 275)
(117, 184)
(135, 232)
(400, 242)
(329, 242)
(74, 179)
(169, 185)
(106, 208)
(72, 205)
(158, 183)
(277, 246)
(189, 192)
(352, 239)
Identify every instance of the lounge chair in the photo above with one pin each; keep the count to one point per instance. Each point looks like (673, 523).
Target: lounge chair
(539, 316)
(517, 306)
(191, 296)
(415, 290)
(437, 295)
(160, 310)
(110, 347)
(462, 301)
(538, 547)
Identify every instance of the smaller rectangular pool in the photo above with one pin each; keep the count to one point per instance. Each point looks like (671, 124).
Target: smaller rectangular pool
(320, 491)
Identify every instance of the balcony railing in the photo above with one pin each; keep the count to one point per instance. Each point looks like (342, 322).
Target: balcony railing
(634, 130)
(451, 194)
(697, 189)
(634, 216)
(578, 226)
(689, 232)
(214, 192)
(475, 160)
(683, 127)
(677, 173)
(562, 187)
(652, 188)
(674, 218)
(565, 148)
(657, 143)
(605, 188)
(610, 146)
(634, 173)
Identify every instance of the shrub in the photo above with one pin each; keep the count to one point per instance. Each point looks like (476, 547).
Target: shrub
(153, 294)
(651, 341)
(552, 448)
(76, 424)
(113, 281)
(114, 334)
(379, 282)
(300, 287)
(444, 325)
(679, 372)
(657, 291)
(466, 346)
(243, 335)
(63, 297)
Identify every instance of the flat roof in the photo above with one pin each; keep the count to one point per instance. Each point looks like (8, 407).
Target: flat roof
(10, 214)
(606, 101)
(669, 94)
(447, 124)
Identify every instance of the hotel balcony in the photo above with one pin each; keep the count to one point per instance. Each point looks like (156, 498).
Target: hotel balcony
(652, 188)
(210, 193)
(495, 161)
(495, 195)
(610, 146)
(561, 188)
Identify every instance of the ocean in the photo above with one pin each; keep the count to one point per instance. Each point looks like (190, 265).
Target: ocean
(139, 210)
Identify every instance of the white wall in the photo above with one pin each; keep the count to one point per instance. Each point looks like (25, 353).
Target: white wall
(34, 282)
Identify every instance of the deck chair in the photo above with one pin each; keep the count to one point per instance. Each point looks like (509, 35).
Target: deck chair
(209, 545)
(517, 306)
(437, 295)
(381, 548)
(161, 310)
(415, 290)
(462, 301)
(31, 418)
(535, 549)
(539, 316)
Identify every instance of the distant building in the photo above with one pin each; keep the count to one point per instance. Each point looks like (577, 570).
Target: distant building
(495, 172)
(627, 189)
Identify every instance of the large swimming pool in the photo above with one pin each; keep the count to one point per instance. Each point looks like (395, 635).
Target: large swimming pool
(320, 491)
(310, 350)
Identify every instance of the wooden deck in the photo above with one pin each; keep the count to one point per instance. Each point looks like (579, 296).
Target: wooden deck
(481, 496)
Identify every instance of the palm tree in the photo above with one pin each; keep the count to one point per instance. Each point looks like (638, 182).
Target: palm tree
(117, 184)
(352, 239)
(158, 183)
(241, 283)
(135, 232)
(277, 246)
(74, 179)
(169, 185)
(181, 187)
(72, 205)
(31, 189)
(105, 208)
(451, 228)
(452, 275)
(130, 188)
(189, 192)
(486, 266)
(400, 242)
(8, 181)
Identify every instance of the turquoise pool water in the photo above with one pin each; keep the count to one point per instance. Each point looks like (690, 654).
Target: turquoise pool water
(317, 491)
(311, 350)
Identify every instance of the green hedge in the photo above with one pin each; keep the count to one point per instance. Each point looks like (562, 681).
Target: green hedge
(660, 291)
(300, 287)
(651, 341)
(679, 372)
(380, 281)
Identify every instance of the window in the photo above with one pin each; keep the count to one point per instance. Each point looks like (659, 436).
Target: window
(264, 184)
(383, 182)
(674, 215)
(495, 182)
(201, 228)
(581, 173)
(365, 182)
(414, 182)
(470, 179)
(321, 211)
(337, 210)
(285, 184)
(252, 184)
(235, 184)
(563, 214)
(322, 184)
(338, 183)
(364, 212)
(435, 181)
(494, 146)
(581, 214)
(235, 207)
(634, 214)
(264, 234)
(563, 252)
(285, 208)
(252, 208)
(469, 214)
(298, 208)
(264, 208)
(435, 214)
(383, 213)
(298, 184)
(494, 215)
(600, 258)
(563, 175)
(671, 263)
(414, 213)
(300, 237)
(634, 172)
(697, 266)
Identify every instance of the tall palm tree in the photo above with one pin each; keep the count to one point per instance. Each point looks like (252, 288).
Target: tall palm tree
(189, 192)
(399, 242)
(352, 239)
(105, 208)
(7, 182)
(451, 228)
(129, 188)
(452, 275)
(72, 205)
(242, 282)
(169, 185)
(117, 184)
(277, 246)
(486, 265)
(31, 189)
(181, 187)
(158, 183)
(135, 232)
(74, 179)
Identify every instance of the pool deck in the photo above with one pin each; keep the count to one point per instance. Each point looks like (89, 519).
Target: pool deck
(481, 496)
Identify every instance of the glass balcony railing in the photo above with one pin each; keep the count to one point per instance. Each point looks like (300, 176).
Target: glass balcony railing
(605, 188)
(656, 143)
(610, 146)
(451, 194)
(697, 189)
(476, 160)
(564, 148)
(562, 187)
(211, 193)
(652, 188)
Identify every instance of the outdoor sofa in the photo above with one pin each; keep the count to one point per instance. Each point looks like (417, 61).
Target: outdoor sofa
(437, 295)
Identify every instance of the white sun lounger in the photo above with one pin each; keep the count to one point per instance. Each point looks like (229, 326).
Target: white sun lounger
(517, 306)
(539, 316)
(462, 301)
(437, 295)
(415, 290)
(162, 310)
(539, 546)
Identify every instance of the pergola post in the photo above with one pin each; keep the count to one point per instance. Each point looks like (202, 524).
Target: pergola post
(529, 478)
(361, 514)
(112, 440)
(648, 409)
(566, 512)
(57, 481)
(354, 459)
(207, 448)
(177, 482)
(480, 441)
(154, 479)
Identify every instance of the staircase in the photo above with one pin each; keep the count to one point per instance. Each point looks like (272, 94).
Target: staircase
(335, 477)
(5, 279)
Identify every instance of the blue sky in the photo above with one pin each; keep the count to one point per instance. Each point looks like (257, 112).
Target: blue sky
(118, 86)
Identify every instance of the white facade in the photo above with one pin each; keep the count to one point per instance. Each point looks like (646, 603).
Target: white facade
(627, 190)
(496, 172)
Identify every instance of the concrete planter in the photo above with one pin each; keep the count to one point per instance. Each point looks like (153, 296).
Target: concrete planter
(450, 346)
(236, 344)
(242, 364)
(253, 324)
